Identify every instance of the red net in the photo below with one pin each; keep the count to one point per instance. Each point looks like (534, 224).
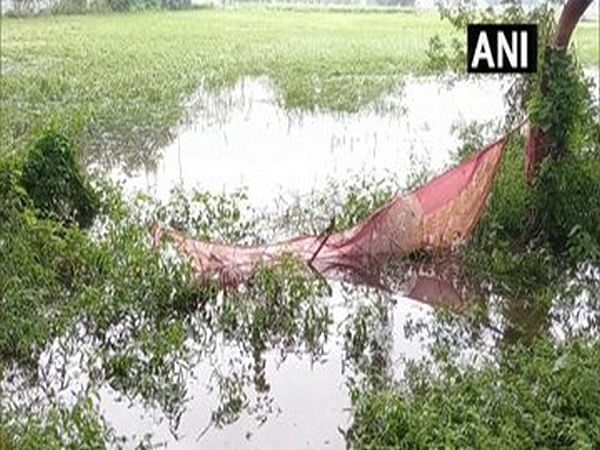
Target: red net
(438, 215)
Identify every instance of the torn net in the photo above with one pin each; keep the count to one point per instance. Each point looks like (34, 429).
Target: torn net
(439, 215)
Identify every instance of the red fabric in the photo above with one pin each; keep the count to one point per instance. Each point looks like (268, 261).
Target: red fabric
(438, 215)
(438, 192)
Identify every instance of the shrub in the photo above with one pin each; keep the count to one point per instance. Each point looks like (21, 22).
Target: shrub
(55, 184)
(543, 397)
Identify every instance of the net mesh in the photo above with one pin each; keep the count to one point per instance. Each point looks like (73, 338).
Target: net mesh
(439, 215)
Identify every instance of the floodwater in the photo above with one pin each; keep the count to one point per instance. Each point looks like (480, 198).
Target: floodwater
(297, 396)
(242, 138)
(305, 404)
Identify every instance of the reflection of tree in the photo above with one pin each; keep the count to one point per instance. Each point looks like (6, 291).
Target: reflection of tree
(368, 338)
(260, 377)
(129, 149)
(369, 328)
(149, 355)
(499, 308)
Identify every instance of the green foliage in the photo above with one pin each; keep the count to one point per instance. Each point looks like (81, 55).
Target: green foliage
(13, 197)
(450, 53)
(77, 427)
(132, 5)
(347, 203)
(143, 5)
(530, 253)
(507, 213)
(69, 7)
(568, 202)
(281, 305)
(545, 396)
(145, 319)
(176, 4)
(368, 339)
(53, 181)
(554, 224)
(363, 201)
(561, 103)
(130, 90)
(209, 217)
(142, 313)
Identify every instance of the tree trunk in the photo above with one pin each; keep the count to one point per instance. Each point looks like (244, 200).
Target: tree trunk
(538, 142)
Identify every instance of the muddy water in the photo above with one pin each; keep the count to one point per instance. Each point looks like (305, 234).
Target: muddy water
(242, 138)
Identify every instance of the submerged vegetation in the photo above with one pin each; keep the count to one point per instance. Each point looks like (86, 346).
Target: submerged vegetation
(119, 84)
(536, 256)
(82, 286)
(133, 316)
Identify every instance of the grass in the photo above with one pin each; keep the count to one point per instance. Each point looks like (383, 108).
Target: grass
(119, 82)
(128, 75)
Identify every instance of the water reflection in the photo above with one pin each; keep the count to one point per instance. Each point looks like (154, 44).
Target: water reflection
(275, 376)
(247, 379)
(238, 382)
(242, 138)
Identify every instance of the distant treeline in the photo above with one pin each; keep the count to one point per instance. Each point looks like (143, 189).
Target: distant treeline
(34, 7)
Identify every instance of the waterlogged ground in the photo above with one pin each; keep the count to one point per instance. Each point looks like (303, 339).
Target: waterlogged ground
(243, 139)
(116, 82)
(294, 396)
(295, 391)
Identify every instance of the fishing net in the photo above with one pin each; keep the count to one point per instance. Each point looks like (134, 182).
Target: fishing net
(439, 215)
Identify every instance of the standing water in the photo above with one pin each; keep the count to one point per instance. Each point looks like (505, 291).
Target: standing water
(242, 138)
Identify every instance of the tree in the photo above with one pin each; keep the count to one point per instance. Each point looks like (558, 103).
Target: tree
(540, 142)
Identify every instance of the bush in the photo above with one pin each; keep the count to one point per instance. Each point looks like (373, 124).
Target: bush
(137, 5)
(543, 397)
(405, 3)
(176, 4)
(70, 7)
(54, 182)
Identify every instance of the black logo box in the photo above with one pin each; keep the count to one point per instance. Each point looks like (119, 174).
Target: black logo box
(492, 31)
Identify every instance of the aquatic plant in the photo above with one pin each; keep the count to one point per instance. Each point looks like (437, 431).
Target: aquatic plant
(78, 276)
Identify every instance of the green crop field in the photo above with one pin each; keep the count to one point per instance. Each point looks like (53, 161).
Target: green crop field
(123, 79)
(92, 315)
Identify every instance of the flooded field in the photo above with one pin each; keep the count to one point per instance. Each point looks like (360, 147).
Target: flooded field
(244, 377)
(298, 396)
(222, 228)
(242, 138)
